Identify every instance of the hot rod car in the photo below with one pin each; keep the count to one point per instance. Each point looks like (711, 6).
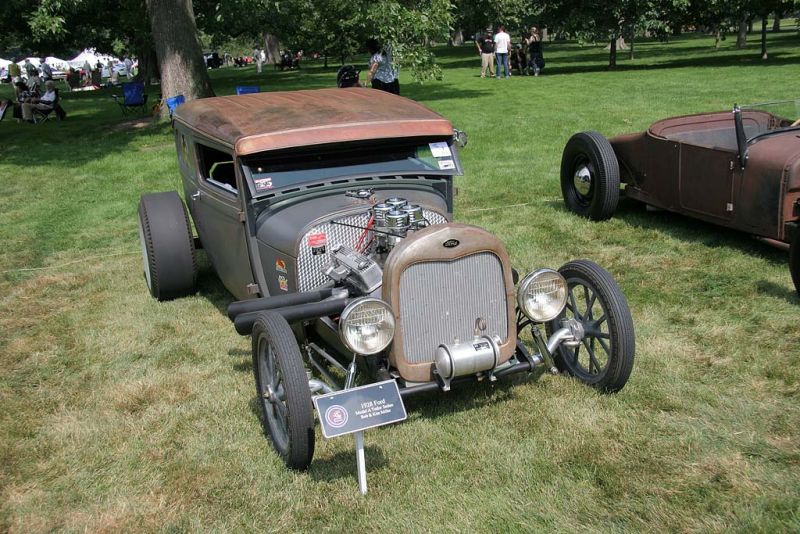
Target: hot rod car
(739, 169)
(328, 213)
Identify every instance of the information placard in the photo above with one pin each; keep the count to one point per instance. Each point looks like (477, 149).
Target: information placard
(357, 409)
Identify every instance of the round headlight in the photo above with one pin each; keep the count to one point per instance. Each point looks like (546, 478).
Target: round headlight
(366, 325)
(542, 295)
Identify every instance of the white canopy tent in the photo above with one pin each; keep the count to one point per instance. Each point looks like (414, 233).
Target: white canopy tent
(92, 57)
(4, 63)
(34, 60)
(57, 63)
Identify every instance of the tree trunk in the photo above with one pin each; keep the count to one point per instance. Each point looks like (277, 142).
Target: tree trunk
(271, 48)
(612, 54)
(148, 62)
(741, 36)
(717, 37)
(750, 25)
(457, 38)
(630, 53)
(764, 37)
(180, 56)
(776, 24)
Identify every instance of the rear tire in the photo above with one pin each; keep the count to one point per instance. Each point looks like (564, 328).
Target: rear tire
(165, 235)
(604, 359)
(794, 260)
(590, 176)
(282, 389)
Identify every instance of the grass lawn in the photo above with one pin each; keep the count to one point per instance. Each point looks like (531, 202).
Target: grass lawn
(121, 413)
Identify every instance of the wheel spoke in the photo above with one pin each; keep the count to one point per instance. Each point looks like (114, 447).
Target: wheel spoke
(588, 313)
(605, 347)
(592, 359)
(575, 355)
(591, 304)
(574, 304)
(601, 320)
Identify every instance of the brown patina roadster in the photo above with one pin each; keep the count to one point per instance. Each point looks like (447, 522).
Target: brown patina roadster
(739, 169)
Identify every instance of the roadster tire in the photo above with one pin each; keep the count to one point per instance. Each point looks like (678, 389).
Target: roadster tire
(170, 266)
(604, 358)
(282, 389)
(794, 260)
(590, 176)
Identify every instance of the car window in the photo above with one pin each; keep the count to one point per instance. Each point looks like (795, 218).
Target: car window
(217, 168)
(281, 170)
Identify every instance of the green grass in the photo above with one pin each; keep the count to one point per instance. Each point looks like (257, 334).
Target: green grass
(121, 413)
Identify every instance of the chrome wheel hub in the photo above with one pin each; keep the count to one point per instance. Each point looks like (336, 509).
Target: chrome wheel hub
(583, 180)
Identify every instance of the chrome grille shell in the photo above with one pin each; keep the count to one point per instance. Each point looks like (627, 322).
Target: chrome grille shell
(309, 266)
(442, 299)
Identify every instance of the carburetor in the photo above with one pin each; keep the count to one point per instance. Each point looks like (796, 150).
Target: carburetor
(393, 219)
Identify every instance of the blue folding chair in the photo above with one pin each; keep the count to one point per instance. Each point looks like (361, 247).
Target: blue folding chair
(247, 89)
(173, 102)
(133, 97)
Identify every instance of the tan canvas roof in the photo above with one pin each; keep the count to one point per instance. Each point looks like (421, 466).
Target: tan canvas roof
(274, 120)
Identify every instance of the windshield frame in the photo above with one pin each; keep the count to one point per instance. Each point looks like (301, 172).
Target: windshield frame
(247, 162)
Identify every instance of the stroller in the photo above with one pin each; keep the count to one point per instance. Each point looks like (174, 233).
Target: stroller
(347, 76)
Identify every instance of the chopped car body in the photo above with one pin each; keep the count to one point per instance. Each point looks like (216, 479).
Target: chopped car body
(328, 213)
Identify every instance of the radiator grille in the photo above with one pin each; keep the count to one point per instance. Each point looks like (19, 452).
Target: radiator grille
(440, 300)
(309, 267)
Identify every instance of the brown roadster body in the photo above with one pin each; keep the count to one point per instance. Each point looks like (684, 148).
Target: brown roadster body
(738, 169)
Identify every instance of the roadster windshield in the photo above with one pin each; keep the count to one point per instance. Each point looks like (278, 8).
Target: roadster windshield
(779, 116)
(276, 171)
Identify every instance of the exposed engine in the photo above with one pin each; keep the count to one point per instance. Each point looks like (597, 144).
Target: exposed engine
(360, 266)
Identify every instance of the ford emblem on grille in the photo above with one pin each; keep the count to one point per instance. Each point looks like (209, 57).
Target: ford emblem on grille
(451, 243)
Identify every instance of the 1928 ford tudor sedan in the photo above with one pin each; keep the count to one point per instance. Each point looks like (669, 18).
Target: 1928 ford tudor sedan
(328, 213)
(739, 169)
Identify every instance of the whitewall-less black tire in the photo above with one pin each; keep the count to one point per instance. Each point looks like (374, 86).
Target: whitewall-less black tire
(168, 255)
(590, 176)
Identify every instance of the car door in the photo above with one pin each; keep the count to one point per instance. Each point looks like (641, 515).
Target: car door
(706, 182)
(218, 216)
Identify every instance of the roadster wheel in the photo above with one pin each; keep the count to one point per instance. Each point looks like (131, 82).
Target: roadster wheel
(794, 260)
(604, 357)
(165, 236)
(590, 176)
(282, 388)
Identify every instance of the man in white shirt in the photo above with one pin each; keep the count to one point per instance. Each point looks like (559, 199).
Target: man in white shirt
(502, 44)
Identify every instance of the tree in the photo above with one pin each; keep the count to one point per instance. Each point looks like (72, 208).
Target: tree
(180, 56)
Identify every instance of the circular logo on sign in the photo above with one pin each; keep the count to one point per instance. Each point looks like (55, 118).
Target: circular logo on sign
(336, 416)
(451, 243)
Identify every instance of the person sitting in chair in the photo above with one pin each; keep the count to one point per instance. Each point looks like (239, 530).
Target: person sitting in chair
(45, 102)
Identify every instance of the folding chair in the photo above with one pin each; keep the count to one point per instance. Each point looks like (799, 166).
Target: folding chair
(44, 115)
(133, 97)
(247, 89)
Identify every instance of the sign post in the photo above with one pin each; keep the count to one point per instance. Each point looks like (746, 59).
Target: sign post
(351, 411)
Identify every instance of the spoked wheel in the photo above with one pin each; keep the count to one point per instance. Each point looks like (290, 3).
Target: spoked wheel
(794, 260)
(604, 357)
(282, 388)
(590, 176)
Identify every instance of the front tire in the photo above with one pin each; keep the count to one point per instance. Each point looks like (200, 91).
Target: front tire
(604, 358)
(590, 176)
(794, 260)
(282, 389)
(168, 256)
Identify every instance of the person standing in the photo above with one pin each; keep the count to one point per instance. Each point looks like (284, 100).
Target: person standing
(382, 72)
(47, 72)
(485, 46)
(535, 57)
(15, 72)
(257, 57)
(128, 67)
(502, 44)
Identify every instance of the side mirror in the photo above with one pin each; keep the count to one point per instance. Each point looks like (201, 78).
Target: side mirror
(741, 140)
(460, 138)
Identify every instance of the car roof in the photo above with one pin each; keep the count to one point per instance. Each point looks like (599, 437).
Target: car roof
(261, 122)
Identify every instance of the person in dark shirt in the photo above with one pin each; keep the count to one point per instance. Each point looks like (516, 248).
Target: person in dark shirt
(485, 46)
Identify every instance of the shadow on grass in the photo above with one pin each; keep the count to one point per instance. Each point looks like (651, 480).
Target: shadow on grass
(765, 287)
(343, 465)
